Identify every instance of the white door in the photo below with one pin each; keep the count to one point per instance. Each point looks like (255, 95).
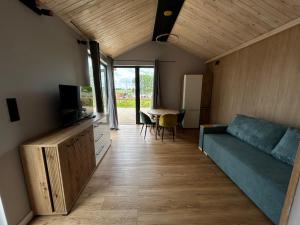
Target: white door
(192, 89)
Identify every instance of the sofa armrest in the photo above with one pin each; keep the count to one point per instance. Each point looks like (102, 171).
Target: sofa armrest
(211, 129)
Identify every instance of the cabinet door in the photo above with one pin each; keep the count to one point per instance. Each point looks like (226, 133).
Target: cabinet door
(91, 149)
(85, 148)
(70, 171)
(77, 161)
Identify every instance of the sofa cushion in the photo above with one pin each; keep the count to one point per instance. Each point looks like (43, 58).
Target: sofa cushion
(259, 133)
(262, 177)
(287, 147)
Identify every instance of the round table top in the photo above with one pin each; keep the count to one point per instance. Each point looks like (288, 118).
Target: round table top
(159, 112)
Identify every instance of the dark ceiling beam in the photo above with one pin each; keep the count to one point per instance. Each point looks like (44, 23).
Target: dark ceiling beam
(164, 24)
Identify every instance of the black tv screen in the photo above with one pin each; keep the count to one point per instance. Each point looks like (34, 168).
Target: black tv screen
(70, 103)
(69, 96)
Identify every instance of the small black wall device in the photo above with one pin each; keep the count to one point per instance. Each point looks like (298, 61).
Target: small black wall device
(13, 109)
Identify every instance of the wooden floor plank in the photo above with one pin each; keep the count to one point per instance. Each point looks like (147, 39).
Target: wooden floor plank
(149, 182)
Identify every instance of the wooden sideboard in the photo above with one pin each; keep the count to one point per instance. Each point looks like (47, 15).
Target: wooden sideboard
(57, 166)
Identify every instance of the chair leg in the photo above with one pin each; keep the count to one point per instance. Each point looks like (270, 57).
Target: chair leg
(162, 134)
(145, 131)
(142, 128)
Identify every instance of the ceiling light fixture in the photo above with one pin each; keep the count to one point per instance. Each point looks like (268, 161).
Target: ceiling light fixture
(172, 37)
(168, 13)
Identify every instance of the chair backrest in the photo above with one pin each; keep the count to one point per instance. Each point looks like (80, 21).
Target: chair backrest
(180, 116)
(168, 120)
(145, 118)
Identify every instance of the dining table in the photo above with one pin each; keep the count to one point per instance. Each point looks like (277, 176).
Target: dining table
(156, 113)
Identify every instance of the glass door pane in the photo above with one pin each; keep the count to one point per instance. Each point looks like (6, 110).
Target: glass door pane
(125, 94)
(146, 87)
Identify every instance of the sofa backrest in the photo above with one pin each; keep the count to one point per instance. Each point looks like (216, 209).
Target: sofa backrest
(287, 147)
(259, 133)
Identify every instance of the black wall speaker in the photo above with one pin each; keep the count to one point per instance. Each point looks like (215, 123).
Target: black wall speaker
(13, 109)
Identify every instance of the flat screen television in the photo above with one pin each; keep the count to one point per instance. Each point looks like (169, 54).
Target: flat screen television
(76, 103)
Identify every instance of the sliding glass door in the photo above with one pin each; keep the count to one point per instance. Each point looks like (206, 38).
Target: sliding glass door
(134, 91)
(125, 94)
(146, 80)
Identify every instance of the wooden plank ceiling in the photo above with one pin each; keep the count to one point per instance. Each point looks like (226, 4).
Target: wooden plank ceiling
(206, 28)
(118, 25)
(209, 28)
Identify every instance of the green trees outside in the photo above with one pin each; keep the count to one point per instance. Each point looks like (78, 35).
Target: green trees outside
(126, 96)
(146, 84)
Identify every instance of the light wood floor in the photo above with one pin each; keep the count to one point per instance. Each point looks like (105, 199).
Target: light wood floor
(147, 182)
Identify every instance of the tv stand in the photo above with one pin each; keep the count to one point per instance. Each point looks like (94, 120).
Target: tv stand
(57, 166)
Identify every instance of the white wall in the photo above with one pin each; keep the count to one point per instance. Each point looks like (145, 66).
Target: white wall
(171, 73)
(36, 54)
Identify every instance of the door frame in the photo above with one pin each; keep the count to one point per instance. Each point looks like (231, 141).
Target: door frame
(106, 84)
(137, 89)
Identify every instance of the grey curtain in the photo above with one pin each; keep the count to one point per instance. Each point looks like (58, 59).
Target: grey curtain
(112, 103)
(156, 86)
(95, 56)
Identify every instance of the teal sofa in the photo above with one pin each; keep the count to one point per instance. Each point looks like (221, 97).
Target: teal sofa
(255, 154)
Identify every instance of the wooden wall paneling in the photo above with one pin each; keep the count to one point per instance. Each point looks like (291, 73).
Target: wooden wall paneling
(288, 94)
(261, 80)
(207, 83)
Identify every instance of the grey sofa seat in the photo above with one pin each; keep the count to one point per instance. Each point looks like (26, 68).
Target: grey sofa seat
(263, 178)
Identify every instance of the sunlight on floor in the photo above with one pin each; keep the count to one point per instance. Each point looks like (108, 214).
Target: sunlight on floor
(126, 115)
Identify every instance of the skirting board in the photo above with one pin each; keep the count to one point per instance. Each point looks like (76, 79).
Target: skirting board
(26, 219)
(204, 152)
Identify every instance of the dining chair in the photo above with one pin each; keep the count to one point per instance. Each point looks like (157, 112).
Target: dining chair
(146, 121)
(180, 118)
(168, 121)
